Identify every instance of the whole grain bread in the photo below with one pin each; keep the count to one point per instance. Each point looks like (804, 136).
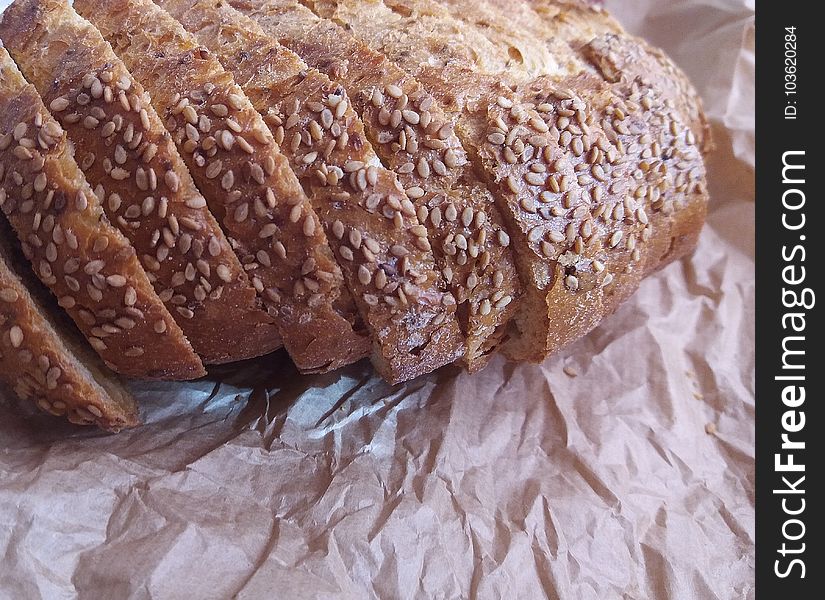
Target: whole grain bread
(245, 179)
(89, 266)
(642, 117)
(567, 176)
(131, 161)
(435, 178)
(382, 247)
(41, 360)
(415, 138)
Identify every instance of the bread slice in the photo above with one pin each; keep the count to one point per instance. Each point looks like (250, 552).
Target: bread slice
(41, 358)
(541, 126)
(411, 136)
(245, 179)
(373, 226)
(88, 265)
(131, 161)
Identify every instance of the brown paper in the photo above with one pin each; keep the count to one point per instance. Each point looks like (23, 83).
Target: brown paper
(633, 479)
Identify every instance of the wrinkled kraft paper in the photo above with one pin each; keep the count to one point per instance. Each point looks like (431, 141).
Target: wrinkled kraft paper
(633, 479)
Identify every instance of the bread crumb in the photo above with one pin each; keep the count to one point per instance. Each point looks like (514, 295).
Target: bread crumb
(570, 372)
(698, 396)
(710, 429)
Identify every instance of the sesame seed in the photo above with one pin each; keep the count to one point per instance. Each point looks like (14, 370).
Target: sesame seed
(268, 230)
(236, 101)
(172, 180)
(94, 410)
(59, 104)
(213, 169)
(415, 192)
(534, 179)
(8, 295)
(40, 182)
(22, 153)
(309, 226)
(190, 114)
(185, 312)
(497, 139)
(81, 202)
(364, 275)
(241, 212)
(224, 273)
(269, 165)
(119, 174)
(228, 180)
(411, 117)
(16, 336)
(485, 308)
(377, 98)
(116, 281)
(257, 173)
(505, 103)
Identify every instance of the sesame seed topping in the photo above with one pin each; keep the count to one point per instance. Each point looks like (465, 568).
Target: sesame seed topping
(309, 226)
(224, 273)
(228, 180)
(59, 104)
(16, 336)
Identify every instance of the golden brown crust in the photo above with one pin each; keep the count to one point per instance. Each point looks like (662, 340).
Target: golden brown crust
(566, 167)
(588, 141)
(373, 227)
(415, 138)
(89, 266)
(638, 97)
(594, 36)
(131, 160)
(245, 178)
(38, 364)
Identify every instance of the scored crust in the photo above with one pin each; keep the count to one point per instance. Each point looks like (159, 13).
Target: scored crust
(381, 245)
(87, 264)
(245, 179)
(131, 161)
(414, 138)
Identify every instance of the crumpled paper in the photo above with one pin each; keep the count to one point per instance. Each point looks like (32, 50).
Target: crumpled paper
(633, 479)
